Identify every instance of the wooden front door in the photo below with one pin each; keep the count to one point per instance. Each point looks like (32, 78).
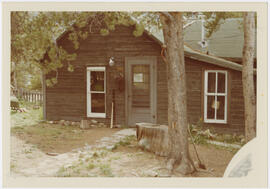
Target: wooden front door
(140, 90)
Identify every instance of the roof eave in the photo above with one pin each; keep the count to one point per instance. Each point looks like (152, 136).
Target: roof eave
(188, 52)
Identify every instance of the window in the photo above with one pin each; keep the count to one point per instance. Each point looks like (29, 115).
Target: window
(96, 92)
(215, 96)
(141, 86)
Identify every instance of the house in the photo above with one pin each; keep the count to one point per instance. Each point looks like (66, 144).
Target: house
(130, 71)
(226, 42)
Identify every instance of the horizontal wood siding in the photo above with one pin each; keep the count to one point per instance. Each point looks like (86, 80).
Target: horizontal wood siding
(67, 99)
(162, 92)
(237, 102)
(195, 86)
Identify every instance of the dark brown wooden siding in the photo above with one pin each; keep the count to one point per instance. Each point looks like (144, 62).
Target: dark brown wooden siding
(195, 85)
(67, 99)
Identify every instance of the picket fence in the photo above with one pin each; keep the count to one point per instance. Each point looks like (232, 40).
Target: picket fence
(29, 96)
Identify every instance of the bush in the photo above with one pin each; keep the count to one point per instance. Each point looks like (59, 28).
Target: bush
(200, 135)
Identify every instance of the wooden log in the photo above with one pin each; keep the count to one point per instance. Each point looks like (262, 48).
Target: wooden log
(153, 138)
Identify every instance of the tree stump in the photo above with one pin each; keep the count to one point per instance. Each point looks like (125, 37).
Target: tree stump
(153, 138)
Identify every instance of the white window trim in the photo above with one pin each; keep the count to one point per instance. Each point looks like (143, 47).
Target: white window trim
(88, 92)
(215, 120)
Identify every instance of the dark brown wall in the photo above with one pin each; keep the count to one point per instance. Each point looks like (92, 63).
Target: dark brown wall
(235, 106)
(195, 86)
(67, 99)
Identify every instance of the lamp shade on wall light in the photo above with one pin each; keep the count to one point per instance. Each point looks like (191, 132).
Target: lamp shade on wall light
(111, 61)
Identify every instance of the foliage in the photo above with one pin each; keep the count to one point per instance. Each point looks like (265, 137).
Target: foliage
(30, 117)
(106, 170)
(215, 19)
(200, 135)
(197, 136)
(34, 36)
(125, 141)
(34, 45)
(90, 166)
(35, 82)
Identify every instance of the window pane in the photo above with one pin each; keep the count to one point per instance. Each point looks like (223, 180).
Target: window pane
(221, 82)
(138, 77)
(211, 83)
(97, 81)
(210, 107)
(141, 86)
(220, 107)
(98, 103)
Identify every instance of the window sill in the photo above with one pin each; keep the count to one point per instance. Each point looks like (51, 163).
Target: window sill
(96, 115)
(215, 121)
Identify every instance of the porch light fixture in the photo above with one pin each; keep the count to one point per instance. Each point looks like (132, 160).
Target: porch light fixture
(111, 61)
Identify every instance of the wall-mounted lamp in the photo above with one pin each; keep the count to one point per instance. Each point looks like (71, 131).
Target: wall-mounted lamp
(111, 61)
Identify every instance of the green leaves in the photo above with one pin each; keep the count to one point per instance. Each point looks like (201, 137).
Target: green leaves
(139, 30)
(104, 32)
(214, 19)
(70, 68)
(51, 82)
(34, 35)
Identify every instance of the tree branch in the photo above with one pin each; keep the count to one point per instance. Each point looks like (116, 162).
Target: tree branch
(167, 15)
(162, 53)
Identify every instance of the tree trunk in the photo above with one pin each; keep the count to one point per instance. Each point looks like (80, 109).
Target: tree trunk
(247, 75)
(179, 157)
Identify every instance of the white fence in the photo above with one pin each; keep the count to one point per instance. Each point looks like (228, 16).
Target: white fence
(29, 96)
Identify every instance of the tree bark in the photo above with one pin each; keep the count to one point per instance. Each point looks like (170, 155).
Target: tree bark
(153, 138)
(179, 157)
(247, 75)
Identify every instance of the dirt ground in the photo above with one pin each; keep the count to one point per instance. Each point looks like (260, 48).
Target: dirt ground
(55, 138)
(91, 157)
(215, 160)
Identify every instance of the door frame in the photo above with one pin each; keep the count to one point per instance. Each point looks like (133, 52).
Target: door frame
(142, 60)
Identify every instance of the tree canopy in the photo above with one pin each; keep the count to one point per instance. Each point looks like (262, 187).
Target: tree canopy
(215, 19)
(34, 36)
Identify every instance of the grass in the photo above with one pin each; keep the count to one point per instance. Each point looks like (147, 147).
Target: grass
(200, 135)
(31, 117)
(115, 158)
(106, 170)
(12, 166)
(230, 149)
(27, 151)
(63, 172)
(125, 141)
(57, 138)
(90, 166)
(200, 138)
